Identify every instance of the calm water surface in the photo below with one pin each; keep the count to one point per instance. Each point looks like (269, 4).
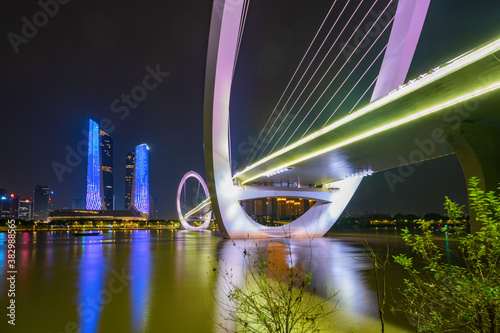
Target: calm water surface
(164, 280)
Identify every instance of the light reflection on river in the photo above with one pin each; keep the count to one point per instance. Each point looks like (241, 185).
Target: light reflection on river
(161, 280)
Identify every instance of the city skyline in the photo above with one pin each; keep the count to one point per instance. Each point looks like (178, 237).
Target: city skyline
(99, 188)
(100, 194)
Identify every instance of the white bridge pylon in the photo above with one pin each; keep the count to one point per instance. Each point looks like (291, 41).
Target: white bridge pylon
(225, 30)
(182, 218)
(233, 221)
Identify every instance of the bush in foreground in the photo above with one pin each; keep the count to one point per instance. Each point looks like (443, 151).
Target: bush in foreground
(444, 297)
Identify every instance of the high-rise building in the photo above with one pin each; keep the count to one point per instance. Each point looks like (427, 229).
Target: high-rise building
(5, 205)
(107, 170)
(139, 190)
(14, 206)
(94, 192)
(153, 208)
(141, 179)
(78, 204)
(129, 178)
(100, 191)
(42, 202)
(26, 209)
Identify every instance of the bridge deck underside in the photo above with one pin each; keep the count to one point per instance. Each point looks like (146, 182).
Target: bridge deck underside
(396, 146)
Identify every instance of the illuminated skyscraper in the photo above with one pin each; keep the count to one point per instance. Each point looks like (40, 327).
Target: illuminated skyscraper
(9, 205)
(42, 202)
(129, 178)
(26, 209)
(141, 179)
(106, 143)
(137, 180)
(99, 169)
(4, 204)
(94, 200)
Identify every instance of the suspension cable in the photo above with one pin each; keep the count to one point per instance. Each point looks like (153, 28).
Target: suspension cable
(293, 76)
(324, 75)
(340, 87)
(378, 56)
(197, 192)
(355, 85)
(359, 100)
(310, 79)
(244, 13)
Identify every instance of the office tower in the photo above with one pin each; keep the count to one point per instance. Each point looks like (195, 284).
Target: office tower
(26, 209)
(106, 144)
(5, 205)
(9, 205)
(41, 202)
(141, 179)
(99, 169)
(139, 192)
(153, 208)
(78, 204)
(14, 206)
(129, 178)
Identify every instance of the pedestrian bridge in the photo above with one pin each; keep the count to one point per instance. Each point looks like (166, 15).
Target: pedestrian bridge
(450, 109)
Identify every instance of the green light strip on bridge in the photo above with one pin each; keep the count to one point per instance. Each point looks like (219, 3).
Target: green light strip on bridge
(386, 127)
(455, 65)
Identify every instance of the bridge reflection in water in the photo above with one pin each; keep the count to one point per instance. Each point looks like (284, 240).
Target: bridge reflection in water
(158, 281)
(336, 266)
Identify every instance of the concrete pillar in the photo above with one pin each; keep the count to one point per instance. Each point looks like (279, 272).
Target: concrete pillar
(477, 147)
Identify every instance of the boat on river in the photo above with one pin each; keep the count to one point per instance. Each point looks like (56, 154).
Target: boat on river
(87, 233)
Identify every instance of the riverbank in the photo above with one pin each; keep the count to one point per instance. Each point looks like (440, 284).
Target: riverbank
(72, 229)
(386, 232)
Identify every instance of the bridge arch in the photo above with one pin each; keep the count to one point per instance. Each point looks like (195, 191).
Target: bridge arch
(231, 218)
(184, 224)
(226, 26)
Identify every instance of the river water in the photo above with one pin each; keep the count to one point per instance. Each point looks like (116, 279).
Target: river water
(169, 281)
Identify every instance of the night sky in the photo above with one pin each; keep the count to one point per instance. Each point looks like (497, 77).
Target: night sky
(91, 52)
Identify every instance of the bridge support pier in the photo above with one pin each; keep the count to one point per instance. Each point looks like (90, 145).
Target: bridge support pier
(477, 148)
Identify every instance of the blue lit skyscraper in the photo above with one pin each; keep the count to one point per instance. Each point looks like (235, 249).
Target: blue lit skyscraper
(99, 169)
(141, 179)
(94, 169)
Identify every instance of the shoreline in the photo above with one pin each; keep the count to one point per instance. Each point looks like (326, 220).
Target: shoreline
(87, 229)
(388, 232)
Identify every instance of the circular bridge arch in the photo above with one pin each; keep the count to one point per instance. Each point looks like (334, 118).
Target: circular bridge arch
(227, 22)
(225, 33)
(184, 224)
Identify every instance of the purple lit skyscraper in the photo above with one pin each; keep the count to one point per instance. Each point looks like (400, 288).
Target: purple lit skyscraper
(141, 179)
(94, 201)
(99, 169)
